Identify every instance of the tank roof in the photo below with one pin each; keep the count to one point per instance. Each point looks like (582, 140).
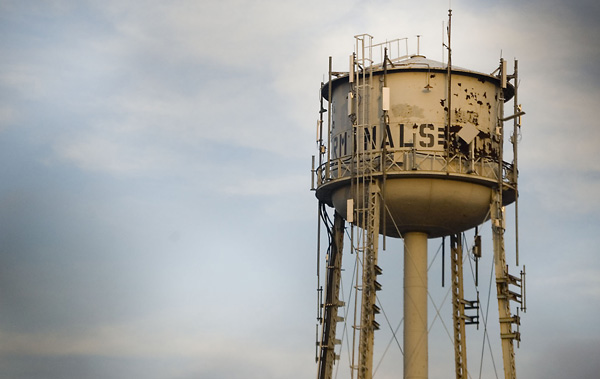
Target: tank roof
(421, 63)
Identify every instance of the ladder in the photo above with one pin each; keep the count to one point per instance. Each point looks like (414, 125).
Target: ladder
(329, 308)
(366, 211)
(506, 334)
(503, 279)
(504, 293)
(459, 306)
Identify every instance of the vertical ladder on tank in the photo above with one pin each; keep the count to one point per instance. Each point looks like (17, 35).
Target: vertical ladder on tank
(366, 210)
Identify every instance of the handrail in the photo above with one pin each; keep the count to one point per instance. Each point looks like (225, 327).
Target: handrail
(407, 160)
(393, 49)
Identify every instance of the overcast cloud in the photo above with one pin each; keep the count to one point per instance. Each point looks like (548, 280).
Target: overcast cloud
(155, 213)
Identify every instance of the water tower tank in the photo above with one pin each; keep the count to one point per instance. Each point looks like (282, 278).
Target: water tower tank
(434, 179)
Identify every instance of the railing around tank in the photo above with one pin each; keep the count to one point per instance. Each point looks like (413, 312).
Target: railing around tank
(410, 160)
(375, 53)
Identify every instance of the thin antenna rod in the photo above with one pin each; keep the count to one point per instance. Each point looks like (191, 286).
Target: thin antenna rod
(443, 40)
(449, 95)
(517, 125)
(329, 101)
(443, 259)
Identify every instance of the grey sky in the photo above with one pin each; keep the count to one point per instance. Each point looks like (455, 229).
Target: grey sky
(155, 212)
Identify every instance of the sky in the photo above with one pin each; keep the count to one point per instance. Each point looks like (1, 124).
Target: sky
(156, 218)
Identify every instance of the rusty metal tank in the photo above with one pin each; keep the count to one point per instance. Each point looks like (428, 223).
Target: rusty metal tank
(433, 178)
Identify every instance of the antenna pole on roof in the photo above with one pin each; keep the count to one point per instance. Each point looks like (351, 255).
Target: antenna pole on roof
(449, 95)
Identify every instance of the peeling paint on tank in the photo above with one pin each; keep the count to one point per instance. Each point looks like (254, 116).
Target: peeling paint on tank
(461, 116)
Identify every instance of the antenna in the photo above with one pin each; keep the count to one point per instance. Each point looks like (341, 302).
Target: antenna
(443, 40)
(449, 85)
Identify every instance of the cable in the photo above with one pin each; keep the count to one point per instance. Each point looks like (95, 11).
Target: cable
(485, 333)
(391, 339)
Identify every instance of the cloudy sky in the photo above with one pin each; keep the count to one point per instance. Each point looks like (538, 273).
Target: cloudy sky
(155, 213)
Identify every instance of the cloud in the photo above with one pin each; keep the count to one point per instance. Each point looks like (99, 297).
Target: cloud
(128, 91)
(566, 356)
(136, 79)
(8, 116)
(202, 351)
(95, 153)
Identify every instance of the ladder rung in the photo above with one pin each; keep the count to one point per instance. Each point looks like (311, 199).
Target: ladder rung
(511, 336)
(510, 320)
(377, 286)
(378, 270)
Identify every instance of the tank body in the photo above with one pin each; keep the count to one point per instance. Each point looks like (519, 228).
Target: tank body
(433, 179)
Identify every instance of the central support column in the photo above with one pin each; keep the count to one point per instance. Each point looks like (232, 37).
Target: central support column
(415, 306)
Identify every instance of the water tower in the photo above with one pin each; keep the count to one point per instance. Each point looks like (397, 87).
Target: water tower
(412, 148)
